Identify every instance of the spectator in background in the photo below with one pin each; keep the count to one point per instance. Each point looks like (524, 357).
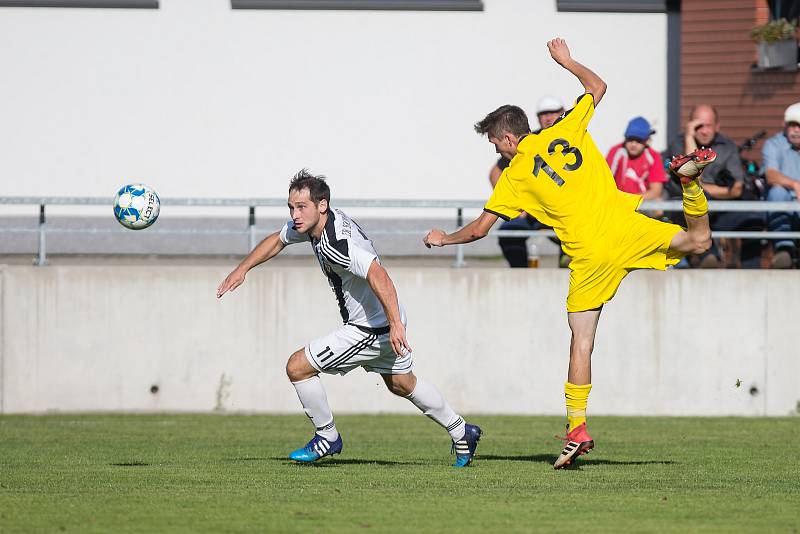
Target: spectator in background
(636, 167)
(548, 110)
(721, 180)
(781, 164)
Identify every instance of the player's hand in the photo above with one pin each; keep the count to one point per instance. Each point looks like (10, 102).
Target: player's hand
(692, 126)
(231, 282)
(559, 50)
(796, 187)
(397, 337)
(434, 238)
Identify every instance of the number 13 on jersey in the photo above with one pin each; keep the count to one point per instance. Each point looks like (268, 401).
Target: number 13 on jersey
(540, 164)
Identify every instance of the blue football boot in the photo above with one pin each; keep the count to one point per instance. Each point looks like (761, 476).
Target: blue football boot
(317, 448)
(465, 447)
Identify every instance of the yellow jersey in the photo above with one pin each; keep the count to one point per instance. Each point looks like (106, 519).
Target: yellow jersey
(560, 177)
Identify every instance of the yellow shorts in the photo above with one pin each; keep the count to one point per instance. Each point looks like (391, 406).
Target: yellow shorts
(636, 242)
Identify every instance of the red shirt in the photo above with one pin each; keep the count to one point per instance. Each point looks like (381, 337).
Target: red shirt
(635, 175)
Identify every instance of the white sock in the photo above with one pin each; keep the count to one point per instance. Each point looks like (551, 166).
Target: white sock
(315, 403)
(428, 399)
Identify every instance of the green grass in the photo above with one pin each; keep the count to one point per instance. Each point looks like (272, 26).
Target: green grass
(215, 473)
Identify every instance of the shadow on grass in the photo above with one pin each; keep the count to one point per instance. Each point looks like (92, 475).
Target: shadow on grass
(130, 464)
(332, 462)
(550, 459)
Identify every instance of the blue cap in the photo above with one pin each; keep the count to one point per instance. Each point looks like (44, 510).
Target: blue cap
(639, 128)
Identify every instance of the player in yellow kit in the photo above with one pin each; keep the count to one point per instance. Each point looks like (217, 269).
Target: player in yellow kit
(561, 178)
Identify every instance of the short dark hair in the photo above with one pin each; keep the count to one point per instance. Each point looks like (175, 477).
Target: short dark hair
(506, 118)
(317, 188)
(712, 108)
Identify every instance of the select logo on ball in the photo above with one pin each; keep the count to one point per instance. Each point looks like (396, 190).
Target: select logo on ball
(136, 206)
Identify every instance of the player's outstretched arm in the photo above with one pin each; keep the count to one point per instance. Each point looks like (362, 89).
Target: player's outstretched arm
(383, 287)
(268, 248)
(592, 83)
(469, 233)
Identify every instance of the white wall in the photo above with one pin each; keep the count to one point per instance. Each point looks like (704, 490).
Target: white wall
(76, 338)
(199, 100)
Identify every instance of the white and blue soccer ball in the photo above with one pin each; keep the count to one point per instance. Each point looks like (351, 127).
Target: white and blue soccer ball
(136, 206)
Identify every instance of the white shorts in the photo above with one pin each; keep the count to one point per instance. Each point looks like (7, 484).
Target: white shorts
(349, 347)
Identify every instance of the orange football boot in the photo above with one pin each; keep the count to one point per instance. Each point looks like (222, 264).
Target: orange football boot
(690, 166)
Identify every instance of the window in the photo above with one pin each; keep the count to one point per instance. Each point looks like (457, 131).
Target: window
(789, 10)
(130, 4)
(378, 5)
(616, 6)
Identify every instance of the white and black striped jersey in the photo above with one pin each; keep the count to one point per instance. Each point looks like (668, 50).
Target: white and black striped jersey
(345, 254)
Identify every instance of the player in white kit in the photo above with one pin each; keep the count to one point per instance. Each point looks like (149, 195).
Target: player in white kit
(373, 335)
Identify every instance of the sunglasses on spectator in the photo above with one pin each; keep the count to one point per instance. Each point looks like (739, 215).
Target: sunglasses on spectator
(638, 140)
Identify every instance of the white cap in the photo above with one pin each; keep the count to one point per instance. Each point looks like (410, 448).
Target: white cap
(792, 113)
(549, 103)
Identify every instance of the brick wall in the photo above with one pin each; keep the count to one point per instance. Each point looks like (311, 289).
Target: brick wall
(717, 58)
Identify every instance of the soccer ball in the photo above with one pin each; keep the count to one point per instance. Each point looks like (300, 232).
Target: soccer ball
(136, 206)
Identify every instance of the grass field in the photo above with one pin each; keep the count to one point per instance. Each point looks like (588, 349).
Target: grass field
(215, 473)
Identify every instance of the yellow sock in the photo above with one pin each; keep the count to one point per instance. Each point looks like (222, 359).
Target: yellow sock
(695, 203)
(577, 397)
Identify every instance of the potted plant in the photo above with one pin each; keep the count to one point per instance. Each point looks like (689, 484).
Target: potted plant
(777, 44)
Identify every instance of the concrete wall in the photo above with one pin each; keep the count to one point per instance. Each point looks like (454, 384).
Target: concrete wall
(197, 99)
(494, 341)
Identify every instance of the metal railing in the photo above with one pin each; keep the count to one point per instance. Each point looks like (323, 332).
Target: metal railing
(458, 205)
